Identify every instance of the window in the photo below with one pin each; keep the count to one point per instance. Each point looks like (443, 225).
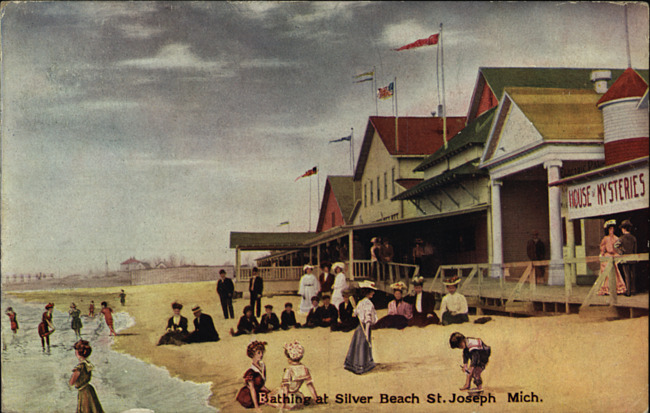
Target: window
(385, 185)
(393, 180)
(378, 191)
(372, 194)
(365, 195)
(333, 220)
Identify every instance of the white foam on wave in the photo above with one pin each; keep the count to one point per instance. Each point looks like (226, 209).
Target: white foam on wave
(123, 382)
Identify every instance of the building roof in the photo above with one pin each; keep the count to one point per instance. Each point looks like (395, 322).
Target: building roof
(560, 114)
(417, 136)
(475, 133)
(263, 241)
(566, 115)
(629, 84)
(463, 171)
(408, 183)
(130, 261)
(498, 78)
(342, 187)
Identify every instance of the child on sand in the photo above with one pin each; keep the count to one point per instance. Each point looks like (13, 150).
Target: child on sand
(288, 317)
(122, 297)
(288, 395)
(476, 351)
(108, 317)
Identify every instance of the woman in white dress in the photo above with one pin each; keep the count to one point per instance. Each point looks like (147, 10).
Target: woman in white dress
(309, 287)
(359, 359)
(340, 283)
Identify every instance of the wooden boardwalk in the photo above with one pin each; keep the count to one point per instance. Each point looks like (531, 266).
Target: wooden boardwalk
(491, 296)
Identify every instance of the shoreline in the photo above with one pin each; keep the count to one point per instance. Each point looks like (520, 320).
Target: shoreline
(548, 357)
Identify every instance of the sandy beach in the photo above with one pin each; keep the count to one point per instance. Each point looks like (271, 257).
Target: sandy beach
(560, 363)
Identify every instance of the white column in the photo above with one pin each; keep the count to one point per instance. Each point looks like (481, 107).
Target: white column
(556, 266)
(497, 243)
(351, 255)
(237, 264)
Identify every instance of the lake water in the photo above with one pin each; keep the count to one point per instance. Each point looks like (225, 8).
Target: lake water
(37, 381)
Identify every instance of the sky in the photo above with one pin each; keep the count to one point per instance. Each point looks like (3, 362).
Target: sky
(148, 129)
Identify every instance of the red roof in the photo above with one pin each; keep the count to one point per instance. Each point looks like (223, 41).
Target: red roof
(628, 85)
(130, 261)
(417, 135)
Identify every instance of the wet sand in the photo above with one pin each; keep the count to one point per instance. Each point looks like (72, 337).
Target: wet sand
(561, 363)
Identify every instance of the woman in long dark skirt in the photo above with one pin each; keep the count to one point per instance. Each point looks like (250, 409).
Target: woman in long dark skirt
(359, 359)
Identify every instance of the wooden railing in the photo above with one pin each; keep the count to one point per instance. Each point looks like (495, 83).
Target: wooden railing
(476, 274)
(273, 273)
(389, 272)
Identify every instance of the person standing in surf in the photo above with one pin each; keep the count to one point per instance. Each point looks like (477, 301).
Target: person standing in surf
(87, 401)
(46, 327)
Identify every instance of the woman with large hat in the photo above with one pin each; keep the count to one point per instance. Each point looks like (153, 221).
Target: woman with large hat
(453, 307)
(607, 249)
(424, 304)
(309, 287)
(359, 358)
(399, 311)
(177, 325)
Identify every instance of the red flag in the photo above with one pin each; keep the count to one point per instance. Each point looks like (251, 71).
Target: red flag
(310, 172)
(429, 41)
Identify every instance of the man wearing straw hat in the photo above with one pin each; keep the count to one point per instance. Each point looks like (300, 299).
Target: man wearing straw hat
(453, 308)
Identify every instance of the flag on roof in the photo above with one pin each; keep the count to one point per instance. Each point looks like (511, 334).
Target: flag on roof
(386, 92)
(343, 139)
(429, 41)
(310, 172)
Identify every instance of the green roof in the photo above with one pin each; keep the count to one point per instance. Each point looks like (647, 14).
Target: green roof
(499, 77)
(463, 171)
(263, 241)
(475, 133)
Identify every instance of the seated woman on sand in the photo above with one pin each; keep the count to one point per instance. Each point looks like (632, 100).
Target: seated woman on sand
(254, 390)
(288, 395)
(399, 311)
(176, 328)
(453, 307)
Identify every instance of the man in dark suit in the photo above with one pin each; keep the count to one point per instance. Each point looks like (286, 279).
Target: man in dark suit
(288, 317)
(269, 321)
(256, 287)
(536, 251)
(315, 315)
(226, 289)
(203, 328)
(326, 279)
(346, 314)
(423, 303)
(329, 313)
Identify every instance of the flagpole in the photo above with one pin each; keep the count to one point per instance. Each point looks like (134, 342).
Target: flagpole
(318, 189)
(627, 40)
(351, 150)
(444, 105)
(396, 114)
(309, 230)
(374, 89)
